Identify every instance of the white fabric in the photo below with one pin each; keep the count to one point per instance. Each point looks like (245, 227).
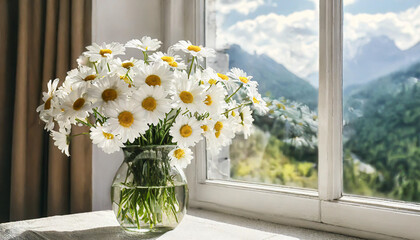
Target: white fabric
(102, 225)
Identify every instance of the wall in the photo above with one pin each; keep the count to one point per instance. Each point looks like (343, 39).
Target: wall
(119, 21)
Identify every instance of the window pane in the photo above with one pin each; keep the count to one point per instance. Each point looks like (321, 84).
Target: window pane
(277, 43)
(381, 133)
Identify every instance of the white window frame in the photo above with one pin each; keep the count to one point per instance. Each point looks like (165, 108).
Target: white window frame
(325, 208)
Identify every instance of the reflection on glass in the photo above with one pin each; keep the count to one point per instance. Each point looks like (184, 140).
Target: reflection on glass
(277, 43)
(382, 99)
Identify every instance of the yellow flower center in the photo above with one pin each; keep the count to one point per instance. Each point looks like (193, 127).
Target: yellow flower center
(78, 104)
(280, 106)
(233, 113)
(105, 51)
(125, 78)
(205, 128)
(179, 153)
(173, 64)
(109, 95)
(255, 100)
(314, 117)
(218, 126)
(271, 111)
(89, 77)
(244, 79)
(127, 65)
(125, 119)
(185, 130)
(223, 76)
(149, 104)
(108, 136)
(47, 104)
(153, 80)
(194, 48)
(212, 81)
(217, 134)
(167, 59)
(208, 100)
(186, 97)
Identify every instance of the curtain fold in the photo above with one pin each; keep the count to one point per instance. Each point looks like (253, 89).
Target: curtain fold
(41, 40)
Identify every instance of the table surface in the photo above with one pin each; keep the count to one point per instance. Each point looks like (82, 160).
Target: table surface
(197, 224)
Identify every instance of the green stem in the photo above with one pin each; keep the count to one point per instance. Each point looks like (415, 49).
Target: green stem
(79, 134)
(96, 69)
(84, 123)
(228, 99)
(145, 57)
(244, 104)
(191, 66)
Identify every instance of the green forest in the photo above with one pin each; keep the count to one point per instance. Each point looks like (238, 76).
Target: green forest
(381, 141)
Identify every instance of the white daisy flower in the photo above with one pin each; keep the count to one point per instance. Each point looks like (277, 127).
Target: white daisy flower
(214, 101)
(105, 140)
(242, 77)
(228, 82)
(180, 157)
(83, 60)
(145, 44)
(246, 120)
(207, 126)
(76, 105)
(108, 90)
(196, 51)
(188, 94)
(104, 51)
(48, 109)
(173, 61)
(222, 133)
(154, 104)
(61, 140)
(84, 76)
(123, 67)
(155, 74)
(257, 101)
(297, 142)
(126, 121)
(185, 131)
(207, 77)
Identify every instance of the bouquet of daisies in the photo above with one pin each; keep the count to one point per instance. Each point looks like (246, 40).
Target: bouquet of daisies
(168, 98)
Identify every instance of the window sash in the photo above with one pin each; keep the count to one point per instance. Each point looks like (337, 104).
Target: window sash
(326, 208)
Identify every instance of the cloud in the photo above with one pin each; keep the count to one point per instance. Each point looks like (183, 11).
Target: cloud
(348, 2)
(241, 6)
(292, 40)
(403, 27)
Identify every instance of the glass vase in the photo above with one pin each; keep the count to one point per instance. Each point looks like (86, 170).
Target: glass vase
(149, 195)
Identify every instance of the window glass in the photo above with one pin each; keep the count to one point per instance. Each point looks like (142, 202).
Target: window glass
(276, 42)
(381, 98)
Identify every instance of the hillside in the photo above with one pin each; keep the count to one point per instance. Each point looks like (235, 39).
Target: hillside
(372, 94)
(273, 78)
(382, 129)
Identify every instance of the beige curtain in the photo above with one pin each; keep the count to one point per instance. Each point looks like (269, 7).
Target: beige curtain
(39, 40)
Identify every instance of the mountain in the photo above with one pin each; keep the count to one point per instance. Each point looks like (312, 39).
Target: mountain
(371, 96)
(378, 57)
(273, 78)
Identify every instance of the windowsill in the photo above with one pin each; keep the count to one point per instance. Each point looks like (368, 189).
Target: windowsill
(198, 224)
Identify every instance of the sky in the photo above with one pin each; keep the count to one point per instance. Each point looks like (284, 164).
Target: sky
(287, 31)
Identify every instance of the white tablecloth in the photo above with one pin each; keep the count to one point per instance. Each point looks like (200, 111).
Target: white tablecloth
(205, 225)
